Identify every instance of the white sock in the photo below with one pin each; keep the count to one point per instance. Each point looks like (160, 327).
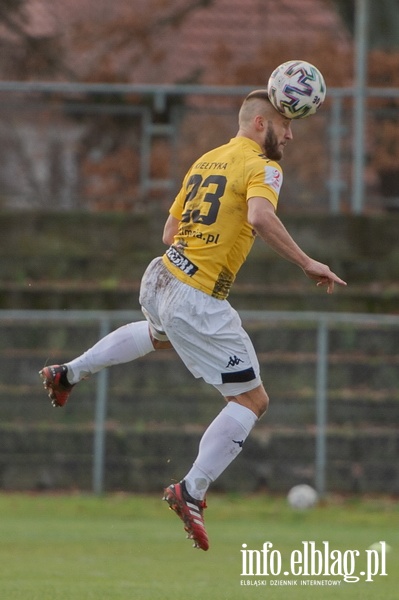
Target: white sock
(219, 446)
(120, 346)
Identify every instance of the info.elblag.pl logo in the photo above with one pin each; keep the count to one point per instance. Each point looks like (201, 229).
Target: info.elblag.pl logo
(311, 560)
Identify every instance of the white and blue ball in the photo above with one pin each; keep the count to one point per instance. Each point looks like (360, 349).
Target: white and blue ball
(296, 89)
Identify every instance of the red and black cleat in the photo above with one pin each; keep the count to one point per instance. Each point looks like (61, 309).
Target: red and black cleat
(190, 512)
(56, 382)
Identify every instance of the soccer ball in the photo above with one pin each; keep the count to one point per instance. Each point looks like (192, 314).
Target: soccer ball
(296, 89)
(302, 496)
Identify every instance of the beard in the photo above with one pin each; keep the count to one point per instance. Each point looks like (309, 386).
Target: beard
(271, 145)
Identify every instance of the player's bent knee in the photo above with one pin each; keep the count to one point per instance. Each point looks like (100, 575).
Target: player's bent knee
(256, 400)
(261, 405)
(264, 405)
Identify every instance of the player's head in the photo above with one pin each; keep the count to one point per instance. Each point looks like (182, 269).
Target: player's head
(260, 121)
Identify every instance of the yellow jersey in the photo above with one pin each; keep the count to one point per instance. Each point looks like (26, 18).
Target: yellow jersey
(214, 236)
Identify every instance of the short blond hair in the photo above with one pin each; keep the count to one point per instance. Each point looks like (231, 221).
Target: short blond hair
(257, 102)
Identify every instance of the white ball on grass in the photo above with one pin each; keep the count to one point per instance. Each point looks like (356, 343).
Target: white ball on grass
(302, 497)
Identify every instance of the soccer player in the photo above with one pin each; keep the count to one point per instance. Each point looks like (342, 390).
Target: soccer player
(228, 196)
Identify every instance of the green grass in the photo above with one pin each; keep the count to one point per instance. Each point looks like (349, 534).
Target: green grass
(124, 547)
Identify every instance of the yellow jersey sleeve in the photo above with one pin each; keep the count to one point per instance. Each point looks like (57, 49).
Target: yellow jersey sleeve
(265, 180)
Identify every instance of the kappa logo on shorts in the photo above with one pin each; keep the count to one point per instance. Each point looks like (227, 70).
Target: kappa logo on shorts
(233, 361)
(181, 262)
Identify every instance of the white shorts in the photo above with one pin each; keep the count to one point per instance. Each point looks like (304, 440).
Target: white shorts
(205, 332)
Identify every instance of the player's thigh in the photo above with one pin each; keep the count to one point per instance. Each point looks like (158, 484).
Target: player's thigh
(208, 335)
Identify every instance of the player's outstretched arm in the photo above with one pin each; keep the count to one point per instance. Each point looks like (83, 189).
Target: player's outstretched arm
(268, 226)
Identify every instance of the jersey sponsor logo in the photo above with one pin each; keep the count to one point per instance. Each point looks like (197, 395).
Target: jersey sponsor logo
(209, 238)
(223, 284)
(273, 178)
(181, 262)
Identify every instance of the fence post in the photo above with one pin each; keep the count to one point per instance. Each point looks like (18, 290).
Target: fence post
(335, 183)
(321, 406)
(99, 420)
(359, 105)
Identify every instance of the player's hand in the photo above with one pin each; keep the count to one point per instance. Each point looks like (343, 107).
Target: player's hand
(323, 275)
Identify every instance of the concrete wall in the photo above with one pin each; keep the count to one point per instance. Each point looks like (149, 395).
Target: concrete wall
(95, 261)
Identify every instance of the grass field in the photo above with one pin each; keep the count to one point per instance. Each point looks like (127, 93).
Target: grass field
(120, 547)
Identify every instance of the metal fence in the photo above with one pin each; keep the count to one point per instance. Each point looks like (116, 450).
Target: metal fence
(126, 147)
(333, 361)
